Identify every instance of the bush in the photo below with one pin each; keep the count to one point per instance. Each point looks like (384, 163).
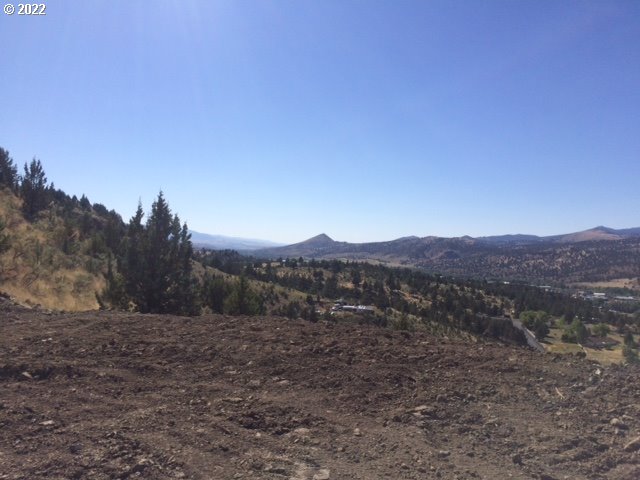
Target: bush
(576, 332)
(601, 330)
(630, 354)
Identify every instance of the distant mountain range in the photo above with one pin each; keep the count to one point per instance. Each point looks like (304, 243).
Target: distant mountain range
(597, 233)
(596, 254)
(221, 242)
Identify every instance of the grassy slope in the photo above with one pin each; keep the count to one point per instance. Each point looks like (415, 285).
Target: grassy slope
(35, 270)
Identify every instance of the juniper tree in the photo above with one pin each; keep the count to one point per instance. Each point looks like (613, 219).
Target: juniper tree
(155, 263)
(213, 292)
(131, 262)
(243, 300)
(33, 189)
(166, 284)
(8, 171)
(630, 348)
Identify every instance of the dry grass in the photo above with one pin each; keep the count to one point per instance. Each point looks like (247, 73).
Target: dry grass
(630, 283)
(63, 289)
(556, 345)
(35, 271)
(604, 356)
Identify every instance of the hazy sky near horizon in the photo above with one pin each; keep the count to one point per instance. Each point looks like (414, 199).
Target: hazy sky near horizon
(367, 120)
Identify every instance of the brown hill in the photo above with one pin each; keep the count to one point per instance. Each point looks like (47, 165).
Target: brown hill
(103, 395)
(598, 233)
(593, 255)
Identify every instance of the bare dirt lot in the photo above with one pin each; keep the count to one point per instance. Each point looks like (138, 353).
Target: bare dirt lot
(117, 396)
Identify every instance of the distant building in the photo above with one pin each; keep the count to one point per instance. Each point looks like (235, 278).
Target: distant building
(352, 308)
(596, 296)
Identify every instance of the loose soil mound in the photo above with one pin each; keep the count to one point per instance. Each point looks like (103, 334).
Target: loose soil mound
(106, 396)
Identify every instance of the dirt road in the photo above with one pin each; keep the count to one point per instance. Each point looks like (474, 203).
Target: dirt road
(115, 396)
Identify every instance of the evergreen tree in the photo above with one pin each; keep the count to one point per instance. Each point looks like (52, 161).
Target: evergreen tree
(330, 289)
(85, 204)
(158, 257)
(114, 294)
(132, 263)
(630, 349)
(293, 310)
(601, 330)
(630, 354)
(582, 332)
(33, 189)
(629, 341)
(155, 264)
(182, 291)
(8, 171)
(381, 300)
(114, 231)
(356, 277)
(243, 300)
(167, 251)
(576, 332)
(214, 291)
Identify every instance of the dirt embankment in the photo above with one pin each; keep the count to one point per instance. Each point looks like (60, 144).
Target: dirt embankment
(106, 396)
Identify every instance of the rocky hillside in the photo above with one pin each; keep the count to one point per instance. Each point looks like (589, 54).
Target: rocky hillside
(103, 395)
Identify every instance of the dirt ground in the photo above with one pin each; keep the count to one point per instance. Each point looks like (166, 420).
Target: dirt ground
(118, 396)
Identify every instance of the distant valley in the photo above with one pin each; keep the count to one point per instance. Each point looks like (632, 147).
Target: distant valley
(222, 242)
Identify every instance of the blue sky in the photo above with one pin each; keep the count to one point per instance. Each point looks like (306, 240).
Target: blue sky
(366, 120)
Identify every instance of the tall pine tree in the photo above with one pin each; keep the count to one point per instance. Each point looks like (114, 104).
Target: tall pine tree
(132, 261)
(33, 189)
(156, 264)
(8, 171)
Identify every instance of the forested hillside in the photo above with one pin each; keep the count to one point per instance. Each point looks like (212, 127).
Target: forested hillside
(54, 247)
(593, 255)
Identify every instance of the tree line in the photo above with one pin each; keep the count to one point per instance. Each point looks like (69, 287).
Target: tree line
(147, 262)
